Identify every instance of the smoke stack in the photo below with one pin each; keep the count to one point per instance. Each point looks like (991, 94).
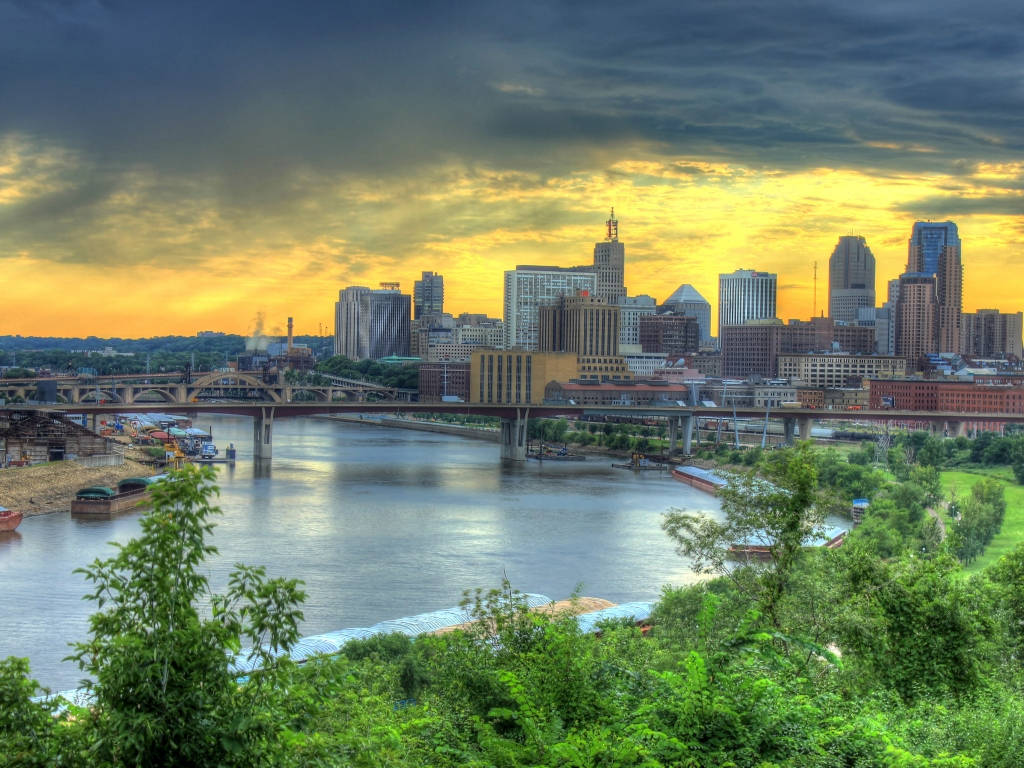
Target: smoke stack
(289, 335)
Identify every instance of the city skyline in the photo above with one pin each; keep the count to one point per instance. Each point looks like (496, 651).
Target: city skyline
(150, 187)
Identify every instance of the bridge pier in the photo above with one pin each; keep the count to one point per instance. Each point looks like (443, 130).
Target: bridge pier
(956, 428)
(262, 437)
(513, 436)
(685, 423)
(805, 428)
(789, 431)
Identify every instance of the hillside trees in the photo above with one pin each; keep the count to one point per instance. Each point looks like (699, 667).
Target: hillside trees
(160, 670)
(778, 511)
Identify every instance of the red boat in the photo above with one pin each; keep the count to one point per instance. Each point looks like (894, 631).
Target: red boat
(9, 519)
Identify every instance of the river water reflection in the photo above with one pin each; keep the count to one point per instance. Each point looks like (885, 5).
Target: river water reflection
(379, 523)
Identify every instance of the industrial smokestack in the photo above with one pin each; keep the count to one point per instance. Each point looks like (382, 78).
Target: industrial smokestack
(289, 335)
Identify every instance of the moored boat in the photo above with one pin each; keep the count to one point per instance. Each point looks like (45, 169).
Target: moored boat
(701, 479)
(9, 519)
(101, 503)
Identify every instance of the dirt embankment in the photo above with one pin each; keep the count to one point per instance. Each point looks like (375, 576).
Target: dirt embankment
(46, 488)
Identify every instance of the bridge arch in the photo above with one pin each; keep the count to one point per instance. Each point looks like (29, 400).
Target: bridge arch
(98, 395)
(319, 394)
(232, 380)
(165, 396)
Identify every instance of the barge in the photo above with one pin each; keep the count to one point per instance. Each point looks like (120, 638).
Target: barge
(98, 502)
(701, 479)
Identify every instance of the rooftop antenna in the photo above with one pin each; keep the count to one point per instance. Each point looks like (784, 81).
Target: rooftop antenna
(612, 227)
(814, 299)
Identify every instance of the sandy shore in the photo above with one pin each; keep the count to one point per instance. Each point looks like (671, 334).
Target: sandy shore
(45, 488)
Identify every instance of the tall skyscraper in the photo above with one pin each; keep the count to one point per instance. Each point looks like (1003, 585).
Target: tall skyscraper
(928, 240)
(745, 295)
(933, 252)
(687, 301)
(346, 321)
(527, 288)
(428, 295)
(372, 323)
(610, 263)
(851, 279)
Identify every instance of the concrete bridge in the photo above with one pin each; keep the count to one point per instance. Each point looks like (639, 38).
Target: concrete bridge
(681, 420)
(169, 388)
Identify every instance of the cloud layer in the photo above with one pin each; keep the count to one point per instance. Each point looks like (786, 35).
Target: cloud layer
(273, 154)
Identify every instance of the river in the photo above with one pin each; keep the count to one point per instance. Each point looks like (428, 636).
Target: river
(380, 523)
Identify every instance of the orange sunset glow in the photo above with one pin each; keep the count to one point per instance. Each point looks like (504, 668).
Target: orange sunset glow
(194, 198)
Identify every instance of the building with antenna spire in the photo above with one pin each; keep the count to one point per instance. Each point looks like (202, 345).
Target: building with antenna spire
(610, 263)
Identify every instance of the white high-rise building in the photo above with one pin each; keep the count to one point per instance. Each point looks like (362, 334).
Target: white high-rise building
(631, 309)
(529, 287)
(745, 295)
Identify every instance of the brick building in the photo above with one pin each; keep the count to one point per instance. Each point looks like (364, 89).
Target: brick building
(754, 348)
(616, 393)
(675, 335)
(954, 396)
(442, 379)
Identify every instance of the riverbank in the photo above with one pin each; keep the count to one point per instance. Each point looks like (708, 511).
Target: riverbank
(45, 488)
(474, 433)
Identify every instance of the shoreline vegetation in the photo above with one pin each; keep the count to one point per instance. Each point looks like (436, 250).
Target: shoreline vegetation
(885, 653)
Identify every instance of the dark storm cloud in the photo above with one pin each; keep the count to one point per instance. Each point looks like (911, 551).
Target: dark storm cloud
(266, 101)
(954, 206)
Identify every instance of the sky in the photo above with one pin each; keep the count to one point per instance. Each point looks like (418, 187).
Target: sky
(184, 166)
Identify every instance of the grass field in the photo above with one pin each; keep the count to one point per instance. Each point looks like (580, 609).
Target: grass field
(1012, 532)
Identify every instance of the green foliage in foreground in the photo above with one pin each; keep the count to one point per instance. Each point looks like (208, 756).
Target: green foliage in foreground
(838, 659)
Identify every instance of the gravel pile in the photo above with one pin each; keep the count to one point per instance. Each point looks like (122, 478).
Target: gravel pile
(45, 488)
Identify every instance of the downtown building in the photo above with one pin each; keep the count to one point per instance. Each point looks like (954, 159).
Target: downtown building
(834, 370)
(631, 309)
(528, 288)
(851, 279)
(753, 349)
(991, 334)
(929, 303)
(745, 295)
(371, 324)
(588, 327)
(610, 264)
(672, 335)
(428, 295)
(687, 301)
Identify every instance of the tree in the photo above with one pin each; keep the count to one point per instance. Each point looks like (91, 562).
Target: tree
(161, 671)
(29, 732)
(916, 628)
(778, 511)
